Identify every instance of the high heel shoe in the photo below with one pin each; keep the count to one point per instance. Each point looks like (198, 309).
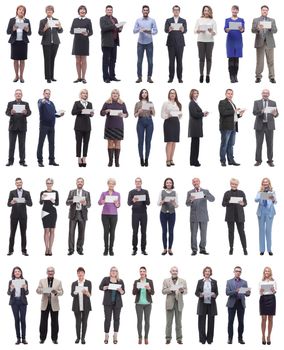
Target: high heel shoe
(263, 342)
(268, 341)
(172, 163)
(168, 163)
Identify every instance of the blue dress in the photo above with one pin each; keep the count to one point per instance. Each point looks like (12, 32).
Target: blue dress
(234, 43)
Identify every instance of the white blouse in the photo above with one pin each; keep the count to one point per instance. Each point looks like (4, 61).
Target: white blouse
(207, 36)
(170, 110)
(267, 285)
(19, 31)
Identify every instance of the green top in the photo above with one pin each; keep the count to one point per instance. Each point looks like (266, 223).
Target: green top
(143, 297)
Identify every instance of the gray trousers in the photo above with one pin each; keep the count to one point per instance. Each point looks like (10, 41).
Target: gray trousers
(81, 233)
(205, 54)
(259, 134)
(170, 315)
(203, 232)
(269, 53)
(146, 310)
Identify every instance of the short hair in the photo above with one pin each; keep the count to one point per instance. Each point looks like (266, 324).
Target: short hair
(18, 179)
(138, 178)
(109, 100)
(143, 267)
(145, 7)
(13, 272)
(209, 9)
(207, 268)
(83, 90)
(80, 269)
(111, 179)
(49, 179)
(46, 90)
(235, 7)
(140, 94)
(237, 267)
(169, 178)
(49, 7)
(264, 6)
(19, 90)
(82, 7)
(229, 90)
(192, 91)
(80, 178)
(109, 7)
(176, 7)
(50, 268)
(21, 6)
(233, 179)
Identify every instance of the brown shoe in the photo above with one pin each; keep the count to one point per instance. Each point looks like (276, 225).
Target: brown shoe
(146, 341)
(270, 163)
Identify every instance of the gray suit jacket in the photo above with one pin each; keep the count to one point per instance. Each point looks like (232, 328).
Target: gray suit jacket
(172, 296)
(198, 207)
(259, 37)
(72, 211)
(257, 111)
(233, 294)
(56, 286)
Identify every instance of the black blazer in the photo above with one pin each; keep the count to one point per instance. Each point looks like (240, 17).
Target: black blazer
(18, 121)
(46, 36)
(84, 210)
(226, 110)
(149, 293)
(82, 122)
(107, 293)
(24, 292)
(13, 33)
(86, 299)
(201, 307)
(107, 29)
(19, 210)
(234, 212)
(195, 126)
(175, 37)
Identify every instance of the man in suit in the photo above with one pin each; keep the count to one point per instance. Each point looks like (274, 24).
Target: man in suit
(236, 303)
(110, 40)
(19, 199)
(51, 289)
(175, 43)
(49, 28)
(79, 201)
(228, 126)
(264, 125)
(17, 127)
(264, 43)
(174, 288)
(198, 215)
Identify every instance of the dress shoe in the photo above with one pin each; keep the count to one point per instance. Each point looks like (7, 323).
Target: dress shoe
(55, 341)
(105, 252)
(83, 341)
(272, 80)
(164, 252)
(80, 253)
(236, 79)
(84, 81)
(111, 253)
(146, 162)
(139, 341)
(23, 164)
(270, 253)
(115, 79)
(270, 163)
(257, 163)
(107, 81)
(170, 252)
(168, 341)
(48, 81)
(139, 80)
(172, 163)
(77, 341)
(70, 253)
(201, 78)
(207, 79)
(41, 341)
(40, 164)
(134, 252)
(268, 342)
(234, 163)
(179, 342)
(22, 81)
(180, 81)
(241, 341)
(77, 80)
(232, 79)
(80, 165)
(261, 253)
(24, 342)
(193, 253)
(203, 252)
(18, 341)
(25, 254)
(53, 163)
(231, 251)
(10, 253)
(263, 342)
(144, 252)
(146, 341)
(168, 163)
(149, 80)
(15, 80)
(245, 252)
(52, 79)
(230, 341)
(257, 80)
(223, 163)
(170, 80)
(106, 341)
(9, 164)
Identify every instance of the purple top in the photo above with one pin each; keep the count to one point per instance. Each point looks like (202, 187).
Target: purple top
(109, 208)
(114, 122)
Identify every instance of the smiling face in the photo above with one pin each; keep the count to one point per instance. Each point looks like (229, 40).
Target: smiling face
(169, 184)
(142, 273)
(237, 272)
(264, 11)
(109, 11)
(49, 12)
(207, 273)
(50, 272)
(82, 12)
(138, 183)
(265, 183)
(235, 12)
(19, 184)
(172, 95)
(49, 185)
(80, 183)
(113, 272)
(265, 94)
(144, 94)
(18, 95)
(174, 272)
(229, 94)
(84, 95)
(234, 184)
(267, 273)
(145, 11)
(111, 185)
(196, 182)
(114, 95)
(81, 275)
(17, 273)
(206, 12)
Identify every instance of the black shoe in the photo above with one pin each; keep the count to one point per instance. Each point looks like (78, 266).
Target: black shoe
(115, 79)
(230, 341)
(18, 341)
(207, 79)
(83, 341)
(24, 342)
(149, 80)
(52, 79)
(245, 252)
(48, 81)
(201, 78)
(41, 341)
(261, 253)
(236, 79)
(111, 253)
(168, 341)
(272, 80)
(9, 164)
(105, 252)
(179, 342)
(23, 164)
(84, 81)
(144, 252)
(142, 163)
(77, 80)
(257, 80)
(223, 163)
(268, 342)
(53, 163)
(70, 253)
(134, 252)
(270, 253)
(107, 81)
(55, 341)
(241, 341)
(170, 80)
(77, 341)
(270, 163)
(180, 81)
(203, 252)
(146, 162)
(80, 253)
(193, 253)
(10, 253)
(234, 163)
(231, 251)
(40, 164)
(257, 163)
(232, 78)
(263, 342)
(25, 253)
(170, 252)
(164, 252)
(139, 80)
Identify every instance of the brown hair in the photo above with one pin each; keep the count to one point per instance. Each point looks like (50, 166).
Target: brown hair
(210, 11)
(176, 98)
(21, 6)
(207, 268)
(192, 91)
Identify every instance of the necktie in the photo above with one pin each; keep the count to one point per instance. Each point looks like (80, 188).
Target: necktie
(265, 114)
(265, 200)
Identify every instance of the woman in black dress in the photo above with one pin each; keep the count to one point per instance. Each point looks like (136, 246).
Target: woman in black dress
(267, 303)
(19, 28)
(82, 126)
(195, 127)
(49, 198)
(82, 29)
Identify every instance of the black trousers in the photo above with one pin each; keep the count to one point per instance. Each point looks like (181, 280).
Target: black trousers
(81, 323)
(241, 230)
(44, 131)
(82, 137)
(109, 224)
(49, 54)
(233, 65)
(203, 336)
(112, 310)
(19, 311)
(44, 323)
(259, 134)
(194, 150)
(23, 229)
(139, 218)
(109, 60)
(81, 235)
(238, 307)
(13, 134)
(175, 54)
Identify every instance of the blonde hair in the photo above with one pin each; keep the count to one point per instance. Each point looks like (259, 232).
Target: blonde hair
(83, 90)
(111, 180)
(234, 180)
(117, 273)
(263, 274)
(262, 187)
(109, 100)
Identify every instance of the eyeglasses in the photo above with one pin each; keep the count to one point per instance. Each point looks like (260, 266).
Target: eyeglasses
(114, 271)
(49, 183)
(238, 271)
(50, 271)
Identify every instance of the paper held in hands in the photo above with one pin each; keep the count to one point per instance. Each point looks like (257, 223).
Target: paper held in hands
(175, 114)
(267, 288)
(114, 286)
(53, 23)
(80, 30)
(18, 283)
(176, 26)
(115, 112)
(244, 290)
(197, 195)
(235, 25)
(80, 289)
(19, 200)
(140, 197)
(60, 112)
(47, 196)
(21, 25)
(235, 200)
(176, 287)
(19, 108)
(204, 27)
(146, 106)
(78, 199)
(111, 199)
(47, 290)
(169, 199)
(120, 24)
(140, 285)
(87, 111)
(265, 24)
(265, 195)
(269, 110)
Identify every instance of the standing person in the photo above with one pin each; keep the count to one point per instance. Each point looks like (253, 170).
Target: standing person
(110, 29)
(19, 29)
(17, 127)
(171, 113)
(264, 126)
(81, 291)
(82, 29)
(143, 289)
(19, 199)
(206, 29)
(174, 288)
(113, 288)
(175, 43)
(82, 126)
(264, 43)
(266, 199)
(115, 110)
(18, 290)
(195, 126)
(198, 215)
(236, 303)
(49, 198)
(234, 27)
(47, 115)
(49, 28)
(228, 126)
(146, 27)
(139, 199)
(235, 214)
(79, 201)
(168, 201)
(267, 303)
(110, 200)
(50, 288)
(207, 292)
(144, 110)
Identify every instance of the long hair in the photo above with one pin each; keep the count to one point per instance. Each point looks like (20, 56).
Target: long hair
(192, 91)
(13, 272)
(263, 274)
(176, 99)
(109, 100)
(117, 273)
(269, 186)
(209, 9)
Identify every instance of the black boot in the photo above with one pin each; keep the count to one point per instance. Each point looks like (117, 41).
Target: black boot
(110, 156)
(142, 163)
(236, 69)
(146, 162)
(231, 67)
(116, 156)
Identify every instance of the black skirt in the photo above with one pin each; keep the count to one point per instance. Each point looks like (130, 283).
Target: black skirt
(267, 305)
(19, 50)
(171, 129)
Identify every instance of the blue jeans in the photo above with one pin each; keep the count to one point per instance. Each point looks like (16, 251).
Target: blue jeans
(227, 144)
(140, 54)
(265, 226)
(19, 311)
(168, 222)
(144, 129)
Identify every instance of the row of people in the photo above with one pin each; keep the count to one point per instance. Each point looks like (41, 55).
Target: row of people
(114, 109)
(113, 287)
(79, 201)
(263, 27)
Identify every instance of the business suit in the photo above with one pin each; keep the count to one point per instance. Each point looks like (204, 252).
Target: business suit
(264, 126)
(19, 214)
(49, 304)
(77, 215)
(195, 130)
(264, 44)
(174, 306)
(81, 315)
(175, 43)
(50, 43)
(19, 48)
(198, 217)
(17, 128)
(209, 309)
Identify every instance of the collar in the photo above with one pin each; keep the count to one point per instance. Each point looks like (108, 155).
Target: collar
(19, 19)
(82, 17)
(205, 279)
